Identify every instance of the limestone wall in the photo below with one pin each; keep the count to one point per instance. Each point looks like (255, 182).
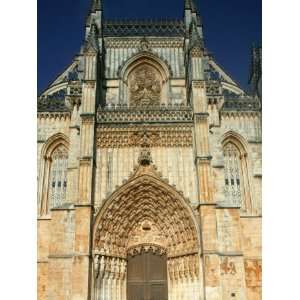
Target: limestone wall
(247, 129)
(50, 124)
(118, 52)
(115, 165)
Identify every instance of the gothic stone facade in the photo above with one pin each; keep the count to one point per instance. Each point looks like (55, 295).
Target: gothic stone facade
(145, 144)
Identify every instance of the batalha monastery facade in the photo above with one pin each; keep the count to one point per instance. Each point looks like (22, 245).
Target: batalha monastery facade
(149, 169)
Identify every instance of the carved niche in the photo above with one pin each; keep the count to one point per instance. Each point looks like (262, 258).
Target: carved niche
(145, 86)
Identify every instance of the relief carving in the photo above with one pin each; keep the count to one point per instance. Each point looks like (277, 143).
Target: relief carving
(211, 271)
(145, 87)
(228, 267)
(253, 270)
(154, 136)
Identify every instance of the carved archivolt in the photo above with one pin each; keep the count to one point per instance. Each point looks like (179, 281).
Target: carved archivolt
(157, 136)
(145, 198)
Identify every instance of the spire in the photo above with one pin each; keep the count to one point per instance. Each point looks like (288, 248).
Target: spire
(255, 77)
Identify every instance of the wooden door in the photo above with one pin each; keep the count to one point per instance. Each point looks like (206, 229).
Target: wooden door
(147, 277)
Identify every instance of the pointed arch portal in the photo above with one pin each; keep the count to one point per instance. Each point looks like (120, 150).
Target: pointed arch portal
(143, 225)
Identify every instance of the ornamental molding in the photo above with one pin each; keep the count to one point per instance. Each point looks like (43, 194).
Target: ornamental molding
(200, 84)
(54, 115)
(135, 42)
(88, 119)
(155, 249)
(197, 52)
(139, 136)
(200, 117)
(89, 83)
(240, 113)
(162, 114)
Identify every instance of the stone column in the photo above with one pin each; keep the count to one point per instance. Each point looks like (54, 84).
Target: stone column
(82, 265)
(207, 204)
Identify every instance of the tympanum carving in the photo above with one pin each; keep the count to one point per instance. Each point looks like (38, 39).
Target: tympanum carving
(145, 86)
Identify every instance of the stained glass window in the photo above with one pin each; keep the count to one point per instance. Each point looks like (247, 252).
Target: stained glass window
(58, 177)
(233, 178)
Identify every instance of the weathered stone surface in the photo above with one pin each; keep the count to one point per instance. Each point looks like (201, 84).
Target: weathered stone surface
(158, 156)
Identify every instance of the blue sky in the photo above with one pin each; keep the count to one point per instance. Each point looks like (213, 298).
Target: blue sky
(230, 28)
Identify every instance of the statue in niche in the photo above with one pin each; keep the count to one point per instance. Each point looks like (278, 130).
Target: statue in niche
(145, 87)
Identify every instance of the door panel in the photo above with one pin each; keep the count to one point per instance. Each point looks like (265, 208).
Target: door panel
(147, 277)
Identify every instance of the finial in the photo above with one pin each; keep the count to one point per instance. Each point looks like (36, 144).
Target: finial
(96, 5)
(187, 4)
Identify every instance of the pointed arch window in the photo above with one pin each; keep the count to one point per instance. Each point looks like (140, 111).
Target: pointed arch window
(233, 179)
(58, 177)
(237, 187)
(52, 180)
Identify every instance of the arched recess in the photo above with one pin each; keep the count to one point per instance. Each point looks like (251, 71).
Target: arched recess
(57, 145)
(237, 185)
(146, 214)
(138, 89)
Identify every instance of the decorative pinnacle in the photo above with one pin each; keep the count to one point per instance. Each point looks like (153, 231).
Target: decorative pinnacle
(96, 5)
(187, 4)
(194, 35)
(190, 5)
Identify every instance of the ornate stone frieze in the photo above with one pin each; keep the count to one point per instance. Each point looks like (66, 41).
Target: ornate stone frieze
(136, 250)
(157, 136)
(129, 115)
(241, 104)
(54, 115)
(135, 42)
(240, 113)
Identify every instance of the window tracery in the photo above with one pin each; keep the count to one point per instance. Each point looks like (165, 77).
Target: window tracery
(233, 172)
(58, 177)
(52, 180)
